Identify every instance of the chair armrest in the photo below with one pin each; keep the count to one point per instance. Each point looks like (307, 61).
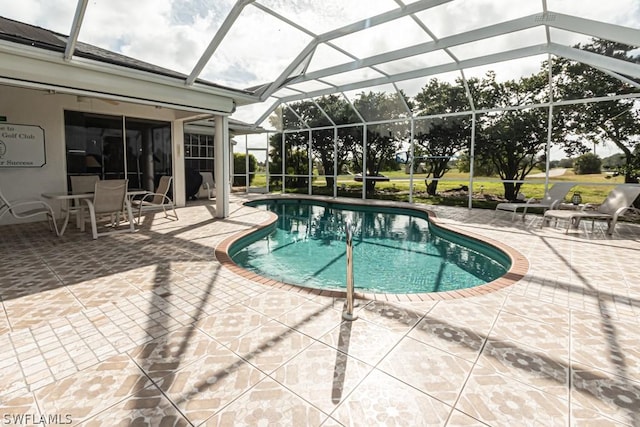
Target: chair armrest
(24, 201)
(532, 200)
(634, 209)
(18, 203)
(166, 199)
(144, 198)
(152, 195)
(148, 195)
(588, 206)
(622, 211)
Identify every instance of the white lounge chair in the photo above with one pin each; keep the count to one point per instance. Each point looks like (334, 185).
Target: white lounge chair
(618, 201)
(208, 185)
(110, 198)
(157, 200)
(554, 196)
(21, 209)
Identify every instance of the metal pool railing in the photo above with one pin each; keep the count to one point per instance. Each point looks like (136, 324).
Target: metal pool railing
(348, 314)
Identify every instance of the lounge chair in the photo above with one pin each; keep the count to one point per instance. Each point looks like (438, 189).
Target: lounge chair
(554, 196)
(208, 184)
(618, 201)
(110, 198)
(157, 200)
(21, 209)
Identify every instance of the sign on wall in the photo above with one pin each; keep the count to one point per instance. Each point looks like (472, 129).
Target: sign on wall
(21, 146)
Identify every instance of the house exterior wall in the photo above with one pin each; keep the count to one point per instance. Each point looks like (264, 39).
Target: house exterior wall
(46, 110)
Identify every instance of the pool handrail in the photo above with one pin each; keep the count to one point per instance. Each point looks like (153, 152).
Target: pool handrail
(348, 314)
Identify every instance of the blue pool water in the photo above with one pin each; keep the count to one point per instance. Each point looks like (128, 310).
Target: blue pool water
(394, 250)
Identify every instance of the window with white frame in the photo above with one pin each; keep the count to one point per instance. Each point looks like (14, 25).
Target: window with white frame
(198, 152)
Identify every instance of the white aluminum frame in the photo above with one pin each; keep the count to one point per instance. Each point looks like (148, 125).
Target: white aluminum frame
(74, 75)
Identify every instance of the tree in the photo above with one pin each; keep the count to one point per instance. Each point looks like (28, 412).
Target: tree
(305, 114)
(541, 162)
(586, 164)
(296, 143)
(275, 146)
(296, 158)
(512, 139)
(566, 163)
(383, 140)
(617, 120)
(631, 170)
(440, 138)
(614, 161)
(240, 168)
(340, 111)
(481, 167)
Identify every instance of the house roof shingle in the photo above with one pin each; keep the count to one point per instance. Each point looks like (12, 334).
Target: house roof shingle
(20, 32)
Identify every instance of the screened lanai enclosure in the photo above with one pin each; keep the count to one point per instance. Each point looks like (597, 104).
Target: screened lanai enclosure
(493, 88)
(366, 98)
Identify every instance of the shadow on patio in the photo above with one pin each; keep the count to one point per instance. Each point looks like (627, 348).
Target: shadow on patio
(200, 339)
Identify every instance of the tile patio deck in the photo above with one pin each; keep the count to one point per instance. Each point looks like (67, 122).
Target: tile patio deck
(150, 329)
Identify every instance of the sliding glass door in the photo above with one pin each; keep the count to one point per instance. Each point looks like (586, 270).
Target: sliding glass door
(96, 146)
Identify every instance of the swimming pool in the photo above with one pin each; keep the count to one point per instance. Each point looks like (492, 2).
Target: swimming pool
(394, 250)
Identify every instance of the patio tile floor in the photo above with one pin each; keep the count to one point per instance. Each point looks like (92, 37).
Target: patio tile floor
(150, 329)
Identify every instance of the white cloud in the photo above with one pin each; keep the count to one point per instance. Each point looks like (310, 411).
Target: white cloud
(53, 15)
(620, 12)
(145, 31)
(174, 33)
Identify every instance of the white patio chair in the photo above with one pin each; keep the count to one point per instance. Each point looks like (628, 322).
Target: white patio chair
(28, 208)
(618, 201)
(81, 184)
(157, 200)
(208, 184)
(554, 196)
(110, 198)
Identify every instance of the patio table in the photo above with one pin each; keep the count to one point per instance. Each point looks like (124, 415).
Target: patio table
(67, 198)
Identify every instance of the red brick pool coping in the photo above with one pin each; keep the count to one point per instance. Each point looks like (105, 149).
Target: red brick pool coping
(519, 263)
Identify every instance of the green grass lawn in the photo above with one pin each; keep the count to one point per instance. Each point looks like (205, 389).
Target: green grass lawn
(593, 188)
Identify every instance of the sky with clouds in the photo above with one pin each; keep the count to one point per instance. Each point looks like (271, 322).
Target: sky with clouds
(174, 33)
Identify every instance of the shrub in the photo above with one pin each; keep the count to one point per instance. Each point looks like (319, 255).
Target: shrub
(240, 168)
(481, 167)
(566, 163)
(586, 164)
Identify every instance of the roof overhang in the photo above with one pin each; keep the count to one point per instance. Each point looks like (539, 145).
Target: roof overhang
(31, 67)
(236, 127)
